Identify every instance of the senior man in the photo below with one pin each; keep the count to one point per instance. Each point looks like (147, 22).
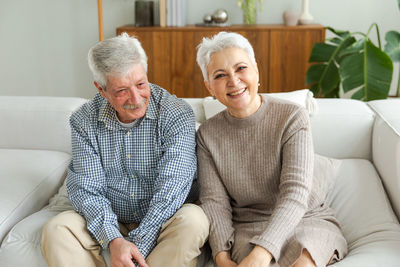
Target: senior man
(133, 163)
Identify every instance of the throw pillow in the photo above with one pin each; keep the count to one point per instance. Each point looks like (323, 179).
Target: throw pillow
(302, 97)
(325, 173)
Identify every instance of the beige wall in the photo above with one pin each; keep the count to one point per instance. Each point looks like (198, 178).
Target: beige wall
(43, 43)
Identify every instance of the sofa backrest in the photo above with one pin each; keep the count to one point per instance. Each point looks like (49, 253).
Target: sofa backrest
(342, 128)
(198, 108)
(37, 122)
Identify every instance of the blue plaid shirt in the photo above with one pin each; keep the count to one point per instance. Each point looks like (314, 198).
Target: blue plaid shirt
(137, 175)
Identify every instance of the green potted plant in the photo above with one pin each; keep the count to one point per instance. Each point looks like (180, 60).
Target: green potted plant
(353, 63)
(249, 8)
(392, 48)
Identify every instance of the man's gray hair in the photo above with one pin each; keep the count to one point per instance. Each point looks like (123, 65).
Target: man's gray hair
(115, 56)
(218, 42)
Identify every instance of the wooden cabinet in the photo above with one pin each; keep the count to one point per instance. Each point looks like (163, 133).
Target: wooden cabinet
(281, 54)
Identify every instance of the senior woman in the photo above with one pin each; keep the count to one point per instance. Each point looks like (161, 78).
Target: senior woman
(255, 164)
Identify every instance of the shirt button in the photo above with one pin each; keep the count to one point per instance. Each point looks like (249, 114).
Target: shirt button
(129, 156)
(128, 133)
(133, 176)
(132, 195)
(134, 214)
(101, 242)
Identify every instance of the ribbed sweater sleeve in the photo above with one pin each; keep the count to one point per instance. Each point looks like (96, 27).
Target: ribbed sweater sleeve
(256, 169)
(294, 185)
(215, 201)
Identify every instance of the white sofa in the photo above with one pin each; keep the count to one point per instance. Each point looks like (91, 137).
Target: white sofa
(35, 147)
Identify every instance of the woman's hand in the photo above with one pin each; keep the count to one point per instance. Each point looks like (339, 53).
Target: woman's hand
(223, 259)
(258, 257)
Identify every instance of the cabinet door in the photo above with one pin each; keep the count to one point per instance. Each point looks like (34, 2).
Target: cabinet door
(260, 42)
(183, 64)
(198, 78)
(157, 45)
(159, 54)
(281, 53)
(289, 53)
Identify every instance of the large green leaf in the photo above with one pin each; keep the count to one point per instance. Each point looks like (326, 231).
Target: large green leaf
(331, 80)
(340, 33)
(323, 78)
(314, 73)
(322, 52)
(334, 40)
(392, 46)
(368, 72)
(356, 47)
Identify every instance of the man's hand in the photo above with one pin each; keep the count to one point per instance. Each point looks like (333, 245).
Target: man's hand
(223, 259)
(122, 252)
(258, 257)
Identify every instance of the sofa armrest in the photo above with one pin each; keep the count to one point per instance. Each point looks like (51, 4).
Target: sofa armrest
(386, 147)
(25, 190)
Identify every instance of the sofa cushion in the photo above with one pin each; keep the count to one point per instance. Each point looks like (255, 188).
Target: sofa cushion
(362, 208)
(389, 111)
(386, 146)
(22, 246)
(302, 97)
(197, 105)
(29, 122)
(325, 173)
(342, 128)
(28, 179)
(367, 219)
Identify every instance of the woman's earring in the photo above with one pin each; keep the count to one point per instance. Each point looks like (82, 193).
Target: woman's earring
(258, 84)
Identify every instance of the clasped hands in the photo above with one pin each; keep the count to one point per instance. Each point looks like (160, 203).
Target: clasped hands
(258, 257)
(122, 252)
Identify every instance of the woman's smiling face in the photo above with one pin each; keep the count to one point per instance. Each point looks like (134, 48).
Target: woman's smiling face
(233, 80)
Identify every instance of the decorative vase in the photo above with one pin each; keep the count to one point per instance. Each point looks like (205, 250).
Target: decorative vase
(249, 8)
(305, 17)
(290, 17)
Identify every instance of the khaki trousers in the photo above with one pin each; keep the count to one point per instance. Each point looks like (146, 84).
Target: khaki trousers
(66, 241)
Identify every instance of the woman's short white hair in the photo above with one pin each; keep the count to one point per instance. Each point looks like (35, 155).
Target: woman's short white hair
(115, 56)
(218, 42)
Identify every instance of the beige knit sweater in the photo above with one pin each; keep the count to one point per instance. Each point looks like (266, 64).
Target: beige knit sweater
(256, 169)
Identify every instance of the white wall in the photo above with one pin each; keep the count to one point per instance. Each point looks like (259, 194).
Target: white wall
(44, 43)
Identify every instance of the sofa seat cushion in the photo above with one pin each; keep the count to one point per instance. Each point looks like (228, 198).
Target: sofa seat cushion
(28, 179)
(368, 223)
(366, 216)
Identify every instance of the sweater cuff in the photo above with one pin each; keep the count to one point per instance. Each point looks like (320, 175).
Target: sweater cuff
(217, 247)
(276, 253)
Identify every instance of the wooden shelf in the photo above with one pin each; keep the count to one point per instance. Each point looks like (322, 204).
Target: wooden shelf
(281, 52)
